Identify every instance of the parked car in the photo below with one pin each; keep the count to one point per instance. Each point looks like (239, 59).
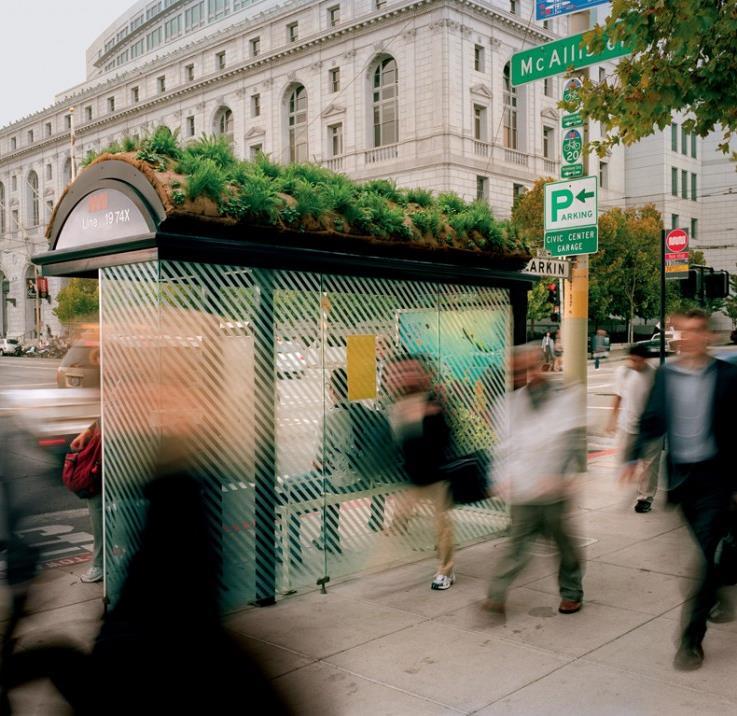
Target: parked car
(653, 344)
(290, 360)
(10, 346)
(80, 367)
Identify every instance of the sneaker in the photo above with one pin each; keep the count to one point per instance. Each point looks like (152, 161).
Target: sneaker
(443, 581)
(93, 574)
(643, 506)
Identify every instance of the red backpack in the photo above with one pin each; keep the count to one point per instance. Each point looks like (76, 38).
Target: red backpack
(82, 473)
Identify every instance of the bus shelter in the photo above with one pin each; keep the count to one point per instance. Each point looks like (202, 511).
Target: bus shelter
(235, 331)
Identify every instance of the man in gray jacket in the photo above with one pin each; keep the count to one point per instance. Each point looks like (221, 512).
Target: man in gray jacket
(693, 404)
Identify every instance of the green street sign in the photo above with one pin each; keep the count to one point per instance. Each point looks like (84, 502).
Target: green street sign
(571, 217)
(571, 171)
(571, 242)
(571, 120)
(556, 57)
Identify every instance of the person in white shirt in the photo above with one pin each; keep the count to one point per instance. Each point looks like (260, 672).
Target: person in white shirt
(548, 347)
(633, 383)
(534, 463)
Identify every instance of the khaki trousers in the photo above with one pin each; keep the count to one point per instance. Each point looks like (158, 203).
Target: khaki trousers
(438, 494)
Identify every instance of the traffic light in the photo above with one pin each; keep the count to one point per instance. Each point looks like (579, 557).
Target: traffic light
(716, 284)
(554, 302)
(691, 286)
(553, 293)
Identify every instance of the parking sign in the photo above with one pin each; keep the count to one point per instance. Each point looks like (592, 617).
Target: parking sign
(571, 216)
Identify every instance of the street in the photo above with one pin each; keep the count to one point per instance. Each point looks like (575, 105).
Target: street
(27, 372)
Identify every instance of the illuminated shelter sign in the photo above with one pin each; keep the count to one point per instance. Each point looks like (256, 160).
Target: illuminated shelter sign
(103, 216)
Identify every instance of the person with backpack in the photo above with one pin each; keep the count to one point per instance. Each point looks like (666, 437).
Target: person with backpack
(83, 476)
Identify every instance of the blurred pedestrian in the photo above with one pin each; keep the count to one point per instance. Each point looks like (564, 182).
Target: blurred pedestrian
(693, 404)
(598, 346)
(558, 352)
(548, 348)
(161, 648)
(94, 506)
(421, 431)
(633, 382)
(535, 461)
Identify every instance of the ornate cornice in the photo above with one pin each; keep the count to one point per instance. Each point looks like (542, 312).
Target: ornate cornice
(333, 109)
(482, 90)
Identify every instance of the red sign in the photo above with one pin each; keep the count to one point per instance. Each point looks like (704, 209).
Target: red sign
(97, 202)
(676, 241)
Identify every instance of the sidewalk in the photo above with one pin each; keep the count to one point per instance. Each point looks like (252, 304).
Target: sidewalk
(387, 644)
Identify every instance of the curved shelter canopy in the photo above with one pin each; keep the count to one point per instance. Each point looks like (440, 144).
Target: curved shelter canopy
(219, 342)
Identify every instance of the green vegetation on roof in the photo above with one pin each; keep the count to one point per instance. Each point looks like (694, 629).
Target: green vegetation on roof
(310, 198)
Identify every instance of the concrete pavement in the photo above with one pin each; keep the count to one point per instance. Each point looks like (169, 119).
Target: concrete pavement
(386, 644)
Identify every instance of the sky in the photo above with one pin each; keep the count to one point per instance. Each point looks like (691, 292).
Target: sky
(42, 48)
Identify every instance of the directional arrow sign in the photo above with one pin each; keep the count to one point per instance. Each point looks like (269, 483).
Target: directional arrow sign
(571, 215)
(583, 195)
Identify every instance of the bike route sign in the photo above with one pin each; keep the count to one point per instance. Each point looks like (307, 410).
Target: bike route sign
(571, 217)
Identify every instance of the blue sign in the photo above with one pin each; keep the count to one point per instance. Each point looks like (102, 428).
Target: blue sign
(547, 9)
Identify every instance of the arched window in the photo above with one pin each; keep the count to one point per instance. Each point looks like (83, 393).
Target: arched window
(67, 173)
(32, 199)
(223, 123)
(511, 135)
(297, 124)
(385, 93)
(2, 208)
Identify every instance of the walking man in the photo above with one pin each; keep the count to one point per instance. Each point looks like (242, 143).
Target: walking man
(633, 383)
(548, 346)
(692, 403)
(535, 479)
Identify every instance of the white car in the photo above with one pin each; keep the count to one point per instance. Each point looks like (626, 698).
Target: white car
(290, 360)
(9, 346)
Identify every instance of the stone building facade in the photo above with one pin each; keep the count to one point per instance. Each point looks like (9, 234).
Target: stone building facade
(415, 90)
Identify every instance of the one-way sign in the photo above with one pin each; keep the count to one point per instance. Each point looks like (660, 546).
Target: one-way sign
(548, 267)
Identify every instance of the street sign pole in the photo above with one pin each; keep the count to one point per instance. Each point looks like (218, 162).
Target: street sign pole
(662, 297)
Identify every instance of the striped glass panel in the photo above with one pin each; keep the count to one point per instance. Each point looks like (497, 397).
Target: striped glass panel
(274, 385)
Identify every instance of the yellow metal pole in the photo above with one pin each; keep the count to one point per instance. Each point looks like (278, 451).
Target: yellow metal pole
(575, 316)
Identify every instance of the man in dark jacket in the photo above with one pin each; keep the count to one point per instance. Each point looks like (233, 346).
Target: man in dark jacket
(693, 403)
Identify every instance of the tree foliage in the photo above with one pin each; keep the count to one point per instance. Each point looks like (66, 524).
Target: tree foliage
(77, 301)
(527, 214)
(625, 273)
(538, 306)
(683, 60)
